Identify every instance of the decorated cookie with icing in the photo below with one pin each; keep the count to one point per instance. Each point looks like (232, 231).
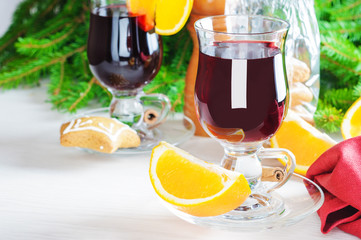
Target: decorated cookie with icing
(98, 133)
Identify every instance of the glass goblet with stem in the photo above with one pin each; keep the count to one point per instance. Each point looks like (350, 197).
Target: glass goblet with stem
(241, 96)
(125, 54)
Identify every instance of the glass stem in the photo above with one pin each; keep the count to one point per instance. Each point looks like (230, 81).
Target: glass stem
(126, 107)
(245, 162)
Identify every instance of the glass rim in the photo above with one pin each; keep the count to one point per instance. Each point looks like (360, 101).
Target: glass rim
(198, 27)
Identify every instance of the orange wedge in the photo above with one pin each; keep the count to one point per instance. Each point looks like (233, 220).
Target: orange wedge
(305, 141)
(351, 122)
(169, 16)
(194, 186)
(145, 8)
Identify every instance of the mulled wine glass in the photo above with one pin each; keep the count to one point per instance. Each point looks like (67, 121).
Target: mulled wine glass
(125, 54)
(241, 96)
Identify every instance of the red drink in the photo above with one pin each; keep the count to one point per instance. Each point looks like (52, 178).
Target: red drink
(241, 90)
(121, 54)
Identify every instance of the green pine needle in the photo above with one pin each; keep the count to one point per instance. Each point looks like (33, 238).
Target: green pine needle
(339, 98)
(328, 118)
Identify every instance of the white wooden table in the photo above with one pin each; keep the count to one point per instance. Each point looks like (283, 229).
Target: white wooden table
(51, 192)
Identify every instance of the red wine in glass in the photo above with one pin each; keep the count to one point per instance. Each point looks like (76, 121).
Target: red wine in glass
(121, 54)
(241, 95)
(240, 90)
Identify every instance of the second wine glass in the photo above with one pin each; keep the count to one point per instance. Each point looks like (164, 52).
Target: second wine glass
(241, 95)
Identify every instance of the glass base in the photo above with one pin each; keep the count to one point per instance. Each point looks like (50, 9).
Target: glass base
(258, 206)
(288, 205)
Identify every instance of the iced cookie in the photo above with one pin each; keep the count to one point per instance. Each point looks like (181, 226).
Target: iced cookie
(98, 133)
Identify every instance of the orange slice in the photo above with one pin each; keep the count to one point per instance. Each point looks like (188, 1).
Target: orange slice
(171, 16)
(351, 122)
(306, 142)
(144, 8)
(195, 186)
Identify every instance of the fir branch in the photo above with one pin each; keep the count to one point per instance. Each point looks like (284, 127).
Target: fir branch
(81, 66)
(177, 102)
(30, 46)
(341, 99)
(61, 78)
(53, 26)
(342, 58)
(328, 118)
(323, 3)
(348, 7)
(73, 97)
(356, 93)
(104, 89)
(35, 66)
(341, 48)
(184, 52)
(354, 17)
(341, 27)
(30, 15)
(50, 7)
(343, 10)
(82, 95)
(154, 87)
(341, 68)
(8, 39)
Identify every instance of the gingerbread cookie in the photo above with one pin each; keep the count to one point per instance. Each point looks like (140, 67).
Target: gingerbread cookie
(98, 133)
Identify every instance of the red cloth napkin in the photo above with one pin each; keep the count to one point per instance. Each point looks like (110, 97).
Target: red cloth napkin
(338, 172)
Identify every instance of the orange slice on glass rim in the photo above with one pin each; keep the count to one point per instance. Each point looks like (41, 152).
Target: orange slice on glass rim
(145, 9)
(171, 15)
(194, 186)
(168, 16)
